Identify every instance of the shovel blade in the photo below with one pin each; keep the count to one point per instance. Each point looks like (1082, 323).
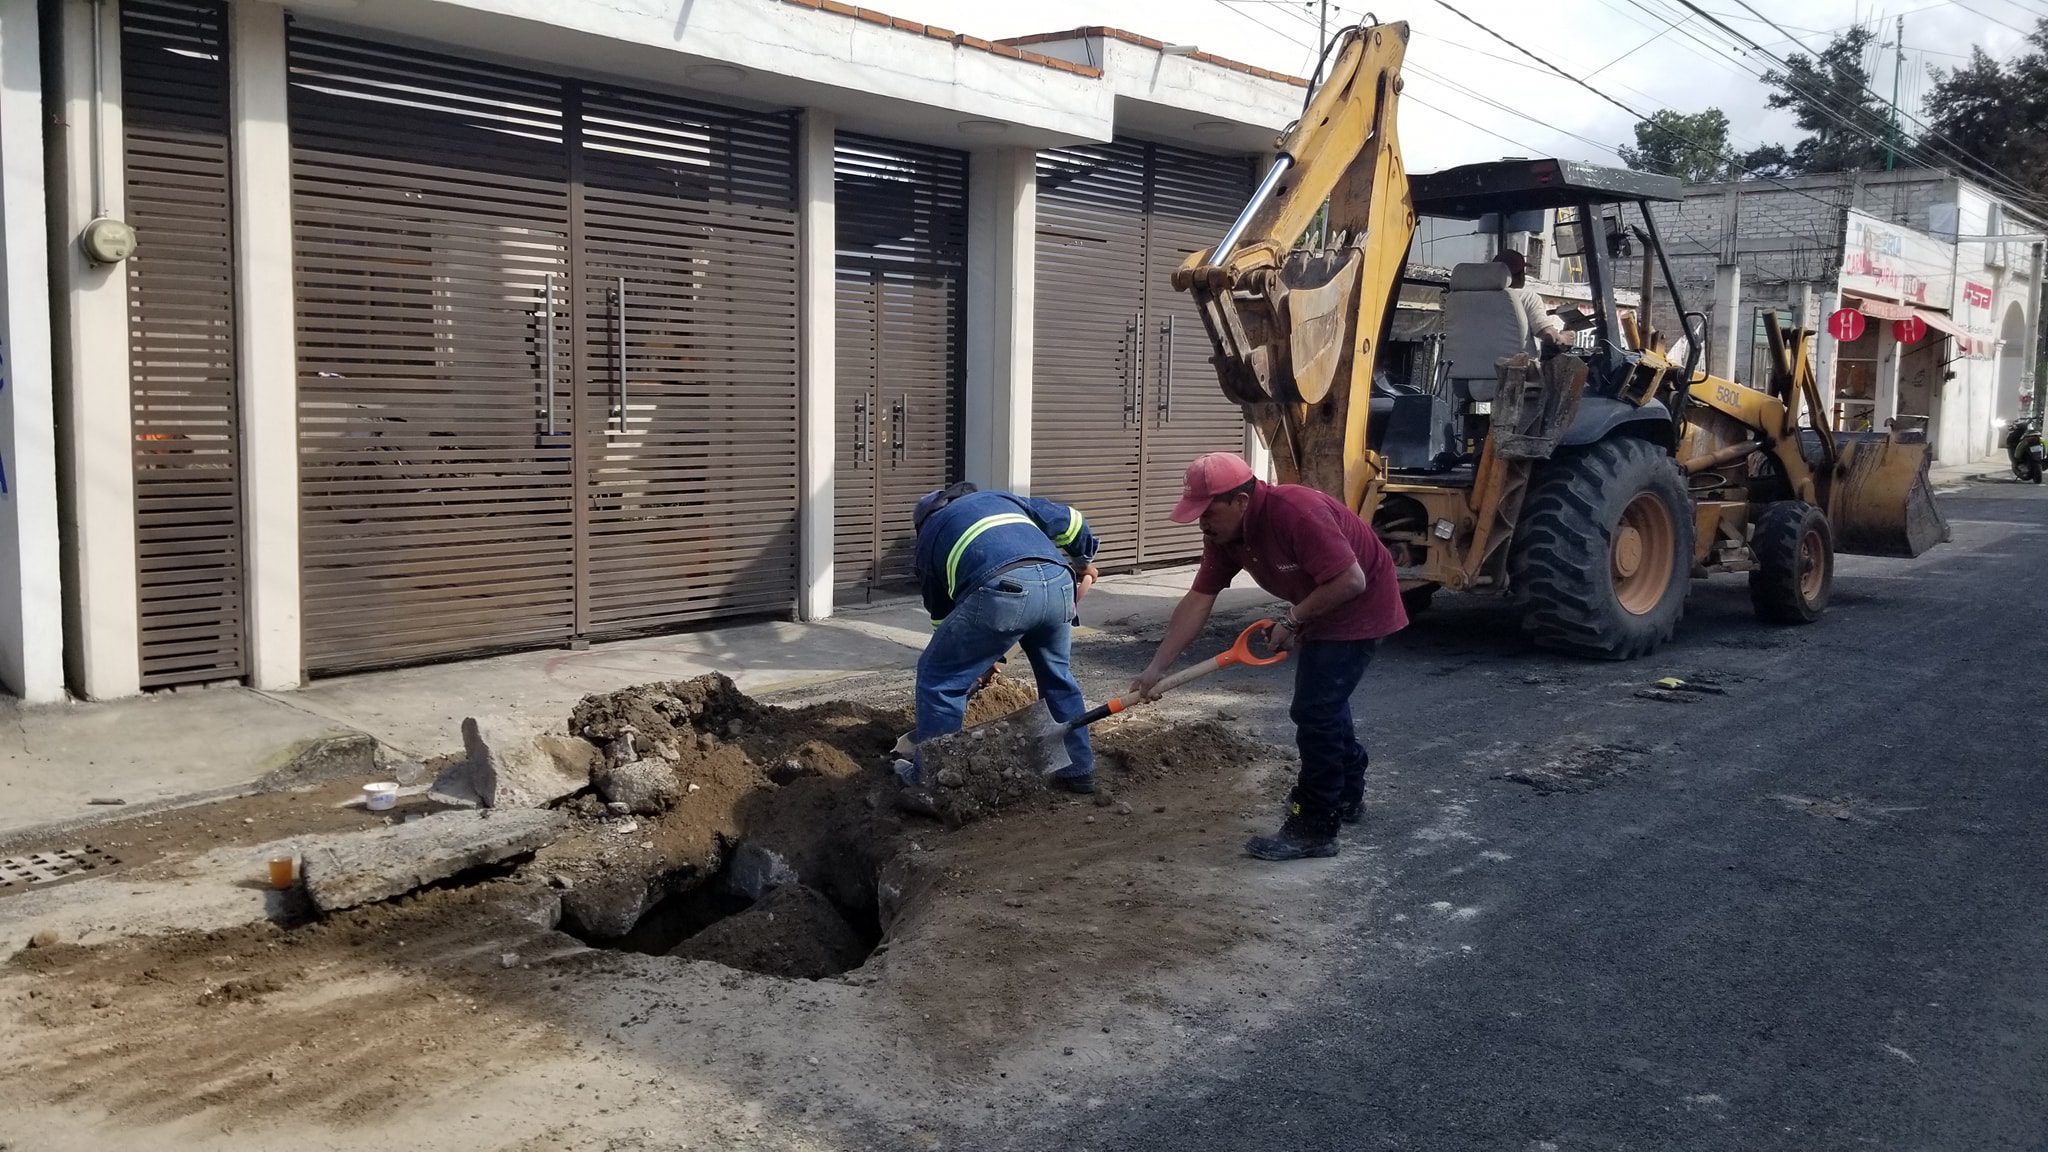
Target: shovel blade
(1026, 741)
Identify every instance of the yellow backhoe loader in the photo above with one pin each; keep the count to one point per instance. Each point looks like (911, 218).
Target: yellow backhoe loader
(1589, 483)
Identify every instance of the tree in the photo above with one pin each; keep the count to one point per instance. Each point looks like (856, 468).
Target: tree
(1691, 147)
(1767, 162)
(1996, 114)
(1846, 125)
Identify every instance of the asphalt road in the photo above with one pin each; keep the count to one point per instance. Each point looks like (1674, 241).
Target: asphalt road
(1810, 913)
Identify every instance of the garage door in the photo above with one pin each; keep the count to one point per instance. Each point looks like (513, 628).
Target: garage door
(902, 262)
(547, 356)
(181, 343)
(1123, 392)
(686, 252)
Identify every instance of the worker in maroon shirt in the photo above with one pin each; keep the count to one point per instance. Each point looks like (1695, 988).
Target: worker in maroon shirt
(1310, 550)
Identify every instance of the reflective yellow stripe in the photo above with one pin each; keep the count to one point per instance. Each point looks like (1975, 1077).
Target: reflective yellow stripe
(967, 537)
(1073, 528)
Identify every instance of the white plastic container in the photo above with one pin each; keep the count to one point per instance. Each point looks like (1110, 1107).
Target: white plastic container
(379, 797)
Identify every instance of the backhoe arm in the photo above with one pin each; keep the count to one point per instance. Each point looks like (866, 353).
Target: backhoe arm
(1295, 331)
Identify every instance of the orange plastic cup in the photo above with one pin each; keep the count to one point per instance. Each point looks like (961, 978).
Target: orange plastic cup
(283, 871)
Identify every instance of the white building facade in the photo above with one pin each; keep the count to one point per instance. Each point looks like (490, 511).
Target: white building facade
(1907, 253)
(459, 325)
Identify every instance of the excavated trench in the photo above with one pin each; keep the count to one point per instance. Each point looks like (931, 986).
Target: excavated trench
(759, 834)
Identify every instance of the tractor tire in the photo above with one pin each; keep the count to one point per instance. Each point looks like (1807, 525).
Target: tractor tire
(1416, 600)
(1795, 563)
(1602, 561)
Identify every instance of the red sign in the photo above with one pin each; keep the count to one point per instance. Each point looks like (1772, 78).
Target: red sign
(1911, 330)
(1976, 295)
(1846, 325)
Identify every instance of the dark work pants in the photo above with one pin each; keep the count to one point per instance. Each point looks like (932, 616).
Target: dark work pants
(1326, 673)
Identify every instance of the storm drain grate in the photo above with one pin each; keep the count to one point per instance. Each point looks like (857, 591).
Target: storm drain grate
(18, 872)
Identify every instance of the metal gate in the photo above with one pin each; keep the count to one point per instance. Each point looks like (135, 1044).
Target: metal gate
(902, 262)
(181, 342)
(686, 248)
(1123, 395)
(547, 344)
(1195, 197)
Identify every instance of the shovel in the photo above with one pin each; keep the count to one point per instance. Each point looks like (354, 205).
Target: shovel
(1034, 740)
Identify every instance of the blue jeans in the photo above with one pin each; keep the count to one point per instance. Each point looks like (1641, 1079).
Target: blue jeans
(1032, 605)
(1326, 673)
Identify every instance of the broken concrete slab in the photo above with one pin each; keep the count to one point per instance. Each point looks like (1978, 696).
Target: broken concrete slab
(343, 756)
(648, 787)
(342, 871)
(505, 765)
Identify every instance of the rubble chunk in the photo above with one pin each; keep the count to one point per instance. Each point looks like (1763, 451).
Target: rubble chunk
(648, 787)
(348, 869)
(344, 756)
(505, 766)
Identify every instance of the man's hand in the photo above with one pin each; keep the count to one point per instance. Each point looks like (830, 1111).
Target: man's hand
(1279, 638)
(1084, 580)
(1147, 680)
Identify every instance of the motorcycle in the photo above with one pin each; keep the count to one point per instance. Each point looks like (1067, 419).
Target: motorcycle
(2023, 448)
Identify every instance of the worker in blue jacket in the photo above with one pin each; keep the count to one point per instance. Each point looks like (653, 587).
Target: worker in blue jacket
(998, 569)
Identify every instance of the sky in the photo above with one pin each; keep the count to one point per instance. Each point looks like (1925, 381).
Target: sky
(1471, 97)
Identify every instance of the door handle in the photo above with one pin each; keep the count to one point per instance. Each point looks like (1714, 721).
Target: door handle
(899, 417)
(619, 322)
(1166, 371)
(860, 429)
(547, 349)
(1130, 371)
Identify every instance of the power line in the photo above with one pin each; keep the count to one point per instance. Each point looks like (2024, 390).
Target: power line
(1929, 136)
(1987, 16)
(1445, 4)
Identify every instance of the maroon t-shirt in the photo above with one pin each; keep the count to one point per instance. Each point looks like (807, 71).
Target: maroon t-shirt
(1296, 538)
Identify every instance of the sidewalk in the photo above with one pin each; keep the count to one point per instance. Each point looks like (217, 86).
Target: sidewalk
(55, 759)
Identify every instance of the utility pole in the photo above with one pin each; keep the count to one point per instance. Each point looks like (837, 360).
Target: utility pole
(1891, 138)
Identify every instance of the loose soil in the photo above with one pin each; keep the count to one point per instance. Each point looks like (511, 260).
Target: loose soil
(1058, 947)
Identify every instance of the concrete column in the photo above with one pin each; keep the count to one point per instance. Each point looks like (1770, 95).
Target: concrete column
(817, 343)
(267, 348)
(1887, 392)
(1825, 304)
(1257, 454)
(1002, 271)
(1731, 336)
(31, 596)
(90, 353)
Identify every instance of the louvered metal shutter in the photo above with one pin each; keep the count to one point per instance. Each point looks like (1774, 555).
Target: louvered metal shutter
(1195, 197)
(181, 341)
(687, 234)
(902, 224)
(1088, 357)
(430, 199)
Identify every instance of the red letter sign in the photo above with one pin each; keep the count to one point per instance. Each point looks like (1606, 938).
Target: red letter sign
(1846, 325)
(1911, 330)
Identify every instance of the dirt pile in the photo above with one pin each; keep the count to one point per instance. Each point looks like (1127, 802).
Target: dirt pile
(795, 792)
(794, 931)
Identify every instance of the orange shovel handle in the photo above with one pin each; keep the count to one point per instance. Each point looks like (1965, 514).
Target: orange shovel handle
(1238, 653)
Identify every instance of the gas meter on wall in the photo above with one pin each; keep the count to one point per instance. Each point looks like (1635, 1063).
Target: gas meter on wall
(107, 240)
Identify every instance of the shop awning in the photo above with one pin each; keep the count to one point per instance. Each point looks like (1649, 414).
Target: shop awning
(1887, 310)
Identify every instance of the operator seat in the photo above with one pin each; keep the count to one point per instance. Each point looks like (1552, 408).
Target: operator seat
(1482, 324)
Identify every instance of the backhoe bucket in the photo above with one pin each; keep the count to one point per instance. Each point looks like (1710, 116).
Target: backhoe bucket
(1883, 504)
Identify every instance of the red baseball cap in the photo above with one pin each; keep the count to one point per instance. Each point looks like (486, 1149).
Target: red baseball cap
(1208, 477)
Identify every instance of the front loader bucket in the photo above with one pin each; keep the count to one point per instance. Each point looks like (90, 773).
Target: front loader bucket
(1883, 504)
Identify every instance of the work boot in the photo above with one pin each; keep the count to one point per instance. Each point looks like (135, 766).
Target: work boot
(917, 801)
(1301, 836)
(1082, 785)
(1351, 811)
